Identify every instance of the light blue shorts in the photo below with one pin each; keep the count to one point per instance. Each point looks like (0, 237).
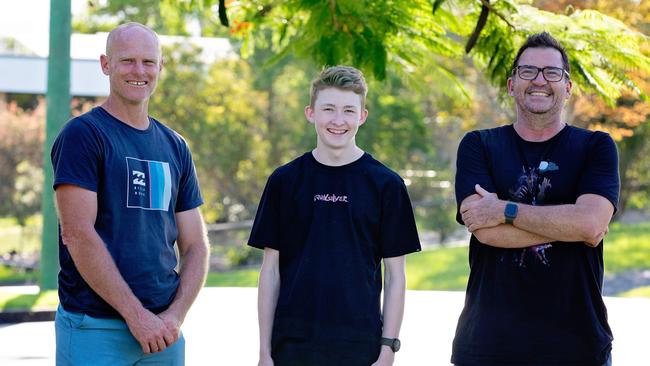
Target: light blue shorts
(83, 340)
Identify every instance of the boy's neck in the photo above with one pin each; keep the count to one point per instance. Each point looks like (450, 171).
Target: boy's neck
(337, 157)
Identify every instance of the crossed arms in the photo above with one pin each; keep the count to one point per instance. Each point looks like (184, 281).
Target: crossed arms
(585, 221)
(77, 208)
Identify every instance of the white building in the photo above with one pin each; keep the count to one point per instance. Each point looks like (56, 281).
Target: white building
(28, 74)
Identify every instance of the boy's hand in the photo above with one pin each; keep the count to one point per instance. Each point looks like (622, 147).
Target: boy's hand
(386, 357)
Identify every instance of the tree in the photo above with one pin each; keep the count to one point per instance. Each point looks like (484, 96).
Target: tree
(371, 34)
(427, 63)
(21, 149)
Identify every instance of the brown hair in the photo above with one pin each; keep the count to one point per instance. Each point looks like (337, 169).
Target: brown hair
(542, 40)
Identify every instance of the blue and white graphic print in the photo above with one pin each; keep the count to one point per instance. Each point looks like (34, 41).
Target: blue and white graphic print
(149, 184)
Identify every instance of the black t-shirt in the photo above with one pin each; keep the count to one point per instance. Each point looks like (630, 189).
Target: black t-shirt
(540, 305)
(332, 226)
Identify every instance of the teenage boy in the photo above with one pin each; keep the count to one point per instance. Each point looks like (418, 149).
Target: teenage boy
(326, 221)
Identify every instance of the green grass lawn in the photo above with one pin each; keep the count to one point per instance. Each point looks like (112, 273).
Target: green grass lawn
(626, 247)
(46, 300)
(9, 276)
(637, 292)
(236, 278)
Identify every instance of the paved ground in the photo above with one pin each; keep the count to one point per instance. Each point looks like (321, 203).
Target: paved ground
(221, 329)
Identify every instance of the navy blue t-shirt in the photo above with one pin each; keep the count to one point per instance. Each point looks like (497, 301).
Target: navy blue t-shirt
(142, 178)
(332, 227)
(540, 305)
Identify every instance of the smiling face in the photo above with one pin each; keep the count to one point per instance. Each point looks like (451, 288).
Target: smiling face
(538, 97)
(133, 63)
(336, 115)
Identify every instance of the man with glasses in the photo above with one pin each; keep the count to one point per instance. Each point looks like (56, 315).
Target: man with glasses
(537, 197)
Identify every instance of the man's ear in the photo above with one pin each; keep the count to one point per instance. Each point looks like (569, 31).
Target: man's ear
(103, 62)
(511, 91)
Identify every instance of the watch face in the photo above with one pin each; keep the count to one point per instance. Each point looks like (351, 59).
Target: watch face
(511, 210)
(396, 345)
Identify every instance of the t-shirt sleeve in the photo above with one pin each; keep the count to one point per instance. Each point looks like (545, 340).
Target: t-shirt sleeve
(76, 156)
(266, 229)
(189, 192)
(472, 168)
(600, 175)
(399, 234)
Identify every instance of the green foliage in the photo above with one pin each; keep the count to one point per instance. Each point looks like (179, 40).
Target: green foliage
(377, 35)
(20, 238)
(602, 50)
(225, 135)
(167, 17)
(373, 34)
(366, 33)
(634, 162)
(243, 255)
(21, 149)
(237, 145)
(27, 191)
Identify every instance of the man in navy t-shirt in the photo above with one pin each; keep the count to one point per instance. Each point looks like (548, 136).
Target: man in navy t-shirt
(126, 192)
(537, 197)
(326, 221)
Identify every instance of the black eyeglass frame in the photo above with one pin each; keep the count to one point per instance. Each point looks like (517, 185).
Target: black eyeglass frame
(517, 69)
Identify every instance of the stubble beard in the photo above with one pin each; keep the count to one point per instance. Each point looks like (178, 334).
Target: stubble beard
(540, 117)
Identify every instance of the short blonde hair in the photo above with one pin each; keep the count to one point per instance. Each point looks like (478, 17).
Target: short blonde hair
(339, 77)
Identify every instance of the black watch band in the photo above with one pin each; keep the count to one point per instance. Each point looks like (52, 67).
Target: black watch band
(393, 343)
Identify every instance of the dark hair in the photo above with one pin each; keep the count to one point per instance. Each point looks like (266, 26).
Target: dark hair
(542, 40)
(340, 77)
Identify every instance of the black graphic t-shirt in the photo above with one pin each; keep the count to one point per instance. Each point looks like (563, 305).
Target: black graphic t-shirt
(540, 305)
(332, 226)
(142, 179)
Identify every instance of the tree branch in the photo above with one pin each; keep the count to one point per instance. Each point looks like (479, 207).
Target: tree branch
(486, 8)
(487, 3)
(333, 10)
(223, 17)
(482, 19)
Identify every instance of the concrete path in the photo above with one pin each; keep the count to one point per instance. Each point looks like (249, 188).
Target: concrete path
(221, 329)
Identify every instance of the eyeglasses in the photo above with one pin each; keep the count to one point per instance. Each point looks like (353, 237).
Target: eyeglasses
(550, 73)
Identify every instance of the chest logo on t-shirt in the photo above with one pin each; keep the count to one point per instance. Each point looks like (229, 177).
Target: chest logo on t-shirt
(149, 184)
(532, 188)
(330, 198)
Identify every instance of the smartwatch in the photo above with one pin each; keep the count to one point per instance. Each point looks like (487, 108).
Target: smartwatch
(393, 343)
(510, 212)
